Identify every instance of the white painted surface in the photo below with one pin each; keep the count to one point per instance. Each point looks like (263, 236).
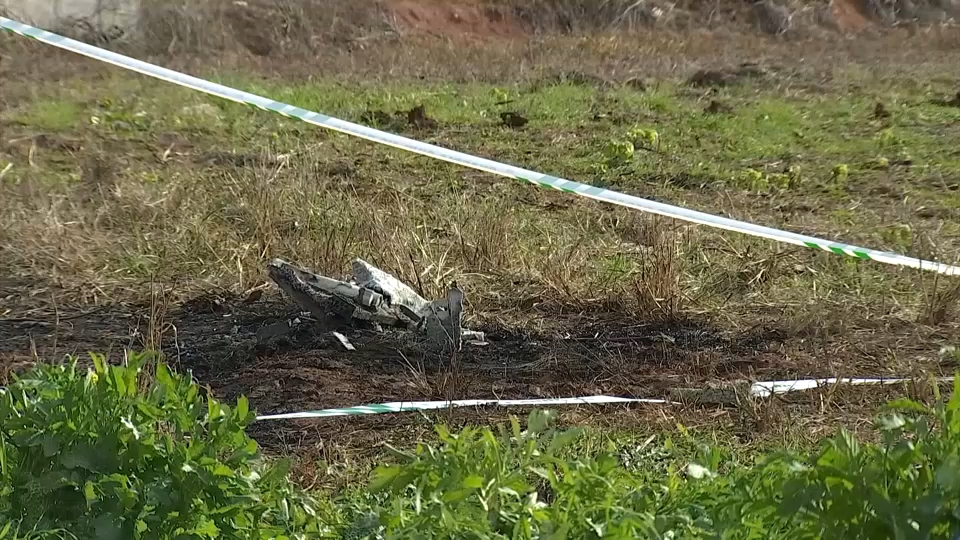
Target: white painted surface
(50, 14)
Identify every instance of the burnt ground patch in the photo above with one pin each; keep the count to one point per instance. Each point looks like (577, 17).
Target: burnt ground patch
(310, 369)
(214, 335)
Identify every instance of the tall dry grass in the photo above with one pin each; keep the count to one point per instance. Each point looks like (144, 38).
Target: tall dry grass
(109, 235)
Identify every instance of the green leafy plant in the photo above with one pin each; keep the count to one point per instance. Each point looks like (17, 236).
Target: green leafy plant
(908, 486)
(887, 138)
(753, 180)
(525, 484)
(476, 484)
(501, 96)
(644, 138)
(880, 163)
(794, 176)
(617, 153)
(900, 235)
(840, 173)
(113, 453)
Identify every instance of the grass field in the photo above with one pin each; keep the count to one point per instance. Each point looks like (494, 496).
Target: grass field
(136, 214)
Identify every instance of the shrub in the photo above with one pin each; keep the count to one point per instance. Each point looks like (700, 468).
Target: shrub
(518, 484)
(112, 453)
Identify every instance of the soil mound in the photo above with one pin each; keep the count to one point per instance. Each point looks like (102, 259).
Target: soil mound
(849, 15)
(453, 19)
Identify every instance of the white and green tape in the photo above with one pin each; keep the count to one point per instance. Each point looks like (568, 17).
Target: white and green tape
(405, 406)
(768, 388)
(467, 160)
(761, 389)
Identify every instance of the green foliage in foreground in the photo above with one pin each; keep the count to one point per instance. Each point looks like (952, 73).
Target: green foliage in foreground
(478, 485)
(112, 453)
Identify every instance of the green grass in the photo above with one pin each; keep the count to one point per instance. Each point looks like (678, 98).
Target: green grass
(771, 161)
(55, 115)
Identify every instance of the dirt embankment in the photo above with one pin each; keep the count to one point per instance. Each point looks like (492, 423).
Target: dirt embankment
(498, 19)
(271, 27)
(453, 19)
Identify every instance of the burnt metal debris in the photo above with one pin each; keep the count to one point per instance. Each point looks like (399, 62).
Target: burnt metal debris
(376, 299)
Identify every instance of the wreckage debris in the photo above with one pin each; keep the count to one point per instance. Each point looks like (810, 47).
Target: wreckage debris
(374, 298)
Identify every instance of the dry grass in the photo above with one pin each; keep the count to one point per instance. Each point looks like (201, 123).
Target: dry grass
(231, 218)
(263, 27)
(110, 228)
(580, 16)
(194, 197)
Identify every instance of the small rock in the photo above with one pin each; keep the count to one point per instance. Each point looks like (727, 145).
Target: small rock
(905, 10)
(341, 169)
(711, 77)
(512, 119)
(955, 102)
(727, 76)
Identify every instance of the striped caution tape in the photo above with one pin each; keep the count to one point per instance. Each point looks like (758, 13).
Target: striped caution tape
(768, 388)
(757, 389)
(402, 406)
(467, 160)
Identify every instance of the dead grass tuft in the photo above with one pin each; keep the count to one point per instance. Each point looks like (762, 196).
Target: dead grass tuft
(941, 305)
(585, 16)
(261, 27)
(657, 287)
(181, 26)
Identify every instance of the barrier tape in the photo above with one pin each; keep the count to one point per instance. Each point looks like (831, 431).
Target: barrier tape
(769, 388)
(467, 160)
(758, 389)
(403, 406)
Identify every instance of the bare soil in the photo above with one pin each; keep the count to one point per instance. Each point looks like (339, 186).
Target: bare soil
(454, 20)
(214, 336)
(601, 353)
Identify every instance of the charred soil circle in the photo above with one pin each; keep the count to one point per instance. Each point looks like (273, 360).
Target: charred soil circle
(215, 337)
